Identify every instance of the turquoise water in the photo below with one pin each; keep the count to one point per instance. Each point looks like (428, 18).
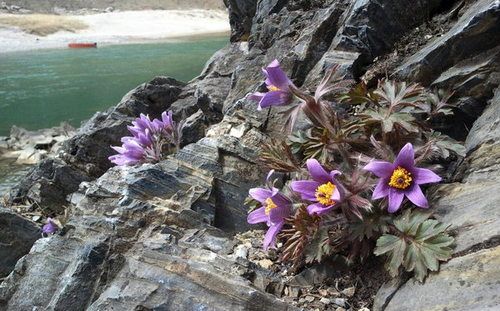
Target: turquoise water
(39, 89)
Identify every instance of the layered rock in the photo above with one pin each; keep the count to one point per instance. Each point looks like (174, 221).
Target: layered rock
(158, 236)
(17, 235)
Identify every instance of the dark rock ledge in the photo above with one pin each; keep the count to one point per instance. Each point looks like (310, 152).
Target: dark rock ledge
(160, 237)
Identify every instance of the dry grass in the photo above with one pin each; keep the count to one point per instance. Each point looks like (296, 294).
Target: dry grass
(42, 24)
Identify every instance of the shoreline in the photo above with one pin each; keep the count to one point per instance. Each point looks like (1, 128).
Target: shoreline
(127, 27)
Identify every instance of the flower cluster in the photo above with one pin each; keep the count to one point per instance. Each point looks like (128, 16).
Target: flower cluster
(148, 140)
(339, 213)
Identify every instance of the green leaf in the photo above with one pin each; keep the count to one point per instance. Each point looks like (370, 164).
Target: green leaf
(419, 246)
(446, 144)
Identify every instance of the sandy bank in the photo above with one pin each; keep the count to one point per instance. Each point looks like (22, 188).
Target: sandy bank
(121, 28)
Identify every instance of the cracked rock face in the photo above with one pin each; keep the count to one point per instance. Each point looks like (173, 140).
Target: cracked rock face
(159, 236)
(17, 235)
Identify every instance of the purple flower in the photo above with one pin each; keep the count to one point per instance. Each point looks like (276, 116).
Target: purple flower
(50, 227)
(400, 179)
(275, 208)
(278, 85)
(324, 190)
(147, 140)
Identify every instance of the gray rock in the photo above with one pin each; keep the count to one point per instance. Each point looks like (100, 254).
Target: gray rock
(486, 129)
(241, 13)
(17, 235)
(465, 283)
(372, 27)
(194, 128)
(471, 211)
(477, 30)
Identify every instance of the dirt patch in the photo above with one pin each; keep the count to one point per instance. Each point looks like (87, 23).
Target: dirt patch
(42, 24)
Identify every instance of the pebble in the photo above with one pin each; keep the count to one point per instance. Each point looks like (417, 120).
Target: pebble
(326, 301)
(427, 37)
(364, 309)
(339, 302)
(340, 309)
(349, 292)
(309, 298)
(265, 263)
(241, 251)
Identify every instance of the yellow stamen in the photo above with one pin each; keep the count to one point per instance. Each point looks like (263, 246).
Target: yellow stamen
(324, 194)
(269, 206)
(273, 88)
(401, 178)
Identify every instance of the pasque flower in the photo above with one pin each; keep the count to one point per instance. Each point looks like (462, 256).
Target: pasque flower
(400, 179)
(275, 208)
(50, 227)
(278, 84)
(147, 140)
(324, 190)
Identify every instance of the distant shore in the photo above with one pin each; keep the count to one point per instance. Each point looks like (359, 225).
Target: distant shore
(119, 28)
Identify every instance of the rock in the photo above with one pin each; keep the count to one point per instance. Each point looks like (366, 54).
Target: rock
(326, 301)
(479, 24)
(109, 9)
(17, 235)
(241, 251)
(349, 292)
(194, 128)
(241, 13)
(122, 252)
(465, 283)
(341, 302)
(486, 130)
(30, 156)
(266, 264)
(479, 187)
(315, 275)
(470, 211)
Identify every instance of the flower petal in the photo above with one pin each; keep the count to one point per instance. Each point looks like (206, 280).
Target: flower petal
(259, 215)
(319, 209)
(278, 214)
(317, 172)
(380, 168)
(417, 197)
(260, 194)
(306, 188)
(425, 176)
(281, 200)
(406, 157)
(381, 190)
(257, 96)
(270, 237)
(336, 196)
(276, 76)
(395, 199)
(274, 98)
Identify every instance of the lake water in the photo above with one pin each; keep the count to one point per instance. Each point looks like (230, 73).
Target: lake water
(39, 89)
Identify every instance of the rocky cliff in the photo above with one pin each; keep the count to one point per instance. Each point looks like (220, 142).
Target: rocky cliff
(160, 237)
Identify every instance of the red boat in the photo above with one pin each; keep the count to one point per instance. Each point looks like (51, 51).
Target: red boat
(82, 45)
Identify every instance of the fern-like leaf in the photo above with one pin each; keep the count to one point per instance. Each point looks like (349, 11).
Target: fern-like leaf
(419, 245)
